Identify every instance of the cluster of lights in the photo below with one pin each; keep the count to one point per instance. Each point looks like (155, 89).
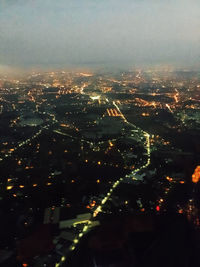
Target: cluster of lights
(27, 141)
(122, 115)
(113, 113)
(108, 195)
(106, 198)
(196, 175)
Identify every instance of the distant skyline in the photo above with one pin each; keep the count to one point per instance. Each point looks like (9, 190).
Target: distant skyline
(72, 33)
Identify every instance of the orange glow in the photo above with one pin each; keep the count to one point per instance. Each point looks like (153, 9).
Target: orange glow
(110, 143)
(91, 205)
(72, 181)
(98, 181)
(34, 185)
(115, 112)
(25, 265)
(21, 186)
(176, 98)
(9, 187)
(169, 179)
(196, 175)
(28, 167)
(145, 114)
(108, 112)
(99, 162)
(182, 182)
(112, 113)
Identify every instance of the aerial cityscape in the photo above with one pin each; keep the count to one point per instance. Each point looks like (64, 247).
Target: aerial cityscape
(99, 133)
(76, 147)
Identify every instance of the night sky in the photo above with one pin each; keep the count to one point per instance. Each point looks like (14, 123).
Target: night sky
(75, 32)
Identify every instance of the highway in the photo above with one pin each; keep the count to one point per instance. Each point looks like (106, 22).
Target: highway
(108, 194)
(98, 209)
(27, 141)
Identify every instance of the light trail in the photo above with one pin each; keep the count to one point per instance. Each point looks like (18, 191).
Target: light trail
(122, 115)
(108, 111)
(176, 96)
(116, 113)
(113, 187)
(168, 106)
(112, 112)
(82, 89)
(27, 141)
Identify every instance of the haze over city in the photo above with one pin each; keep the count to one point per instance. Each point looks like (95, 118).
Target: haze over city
(99, 133)
(48, 33)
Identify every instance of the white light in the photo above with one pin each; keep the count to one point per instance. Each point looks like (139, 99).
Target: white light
(95, 97)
